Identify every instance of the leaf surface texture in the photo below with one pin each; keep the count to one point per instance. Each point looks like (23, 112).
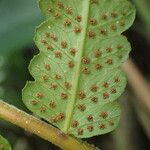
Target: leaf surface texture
(77, 75)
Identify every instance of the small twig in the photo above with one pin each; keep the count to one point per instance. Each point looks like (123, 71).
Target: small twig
(40, 128)
(138, 84)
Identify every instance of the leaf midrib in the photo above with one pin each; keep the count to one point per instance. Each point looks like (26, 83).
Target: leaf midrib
(76, 77)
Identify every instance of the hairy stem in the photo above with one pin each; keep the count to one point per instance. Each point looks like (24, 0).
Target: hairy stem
(40, 128)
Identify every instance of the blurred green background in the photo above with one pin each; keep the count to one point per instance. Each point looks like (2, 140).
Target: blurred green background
(18, 19)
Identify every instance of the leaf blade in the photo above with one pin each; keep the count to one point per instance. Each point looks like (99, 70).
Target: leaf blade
(76, 72)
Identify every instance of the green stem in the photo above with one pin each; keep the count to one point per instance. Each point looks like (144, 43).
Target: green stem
(40, 128)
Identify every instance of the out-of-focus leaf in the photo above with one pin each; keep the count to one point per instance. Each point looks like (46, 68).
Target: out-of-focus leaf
(2, 75)
(4, 145)
(18, 19)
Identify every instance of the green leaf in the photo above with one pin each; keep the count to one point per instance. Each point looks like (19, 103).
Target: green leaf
(4, 145)
(76, 73)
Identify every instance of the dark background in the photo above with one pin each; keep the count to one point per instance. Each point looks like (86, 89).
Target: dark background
(18, 19)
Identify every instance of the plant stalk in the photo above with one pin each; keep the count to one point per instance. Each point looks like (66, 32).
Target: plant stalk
(139, 85)
(40, 128)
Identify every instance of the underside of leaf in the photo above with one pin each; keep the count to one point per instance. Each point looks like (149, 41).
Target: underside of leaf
(77, 78)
